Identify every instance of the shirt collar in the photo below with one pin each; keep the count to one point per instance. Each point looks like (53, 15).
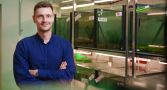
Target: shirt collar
(42, 41)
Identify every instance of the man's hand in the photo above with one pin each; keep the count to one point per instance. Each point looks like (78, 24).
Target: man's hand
(63, 65)
(33, 72)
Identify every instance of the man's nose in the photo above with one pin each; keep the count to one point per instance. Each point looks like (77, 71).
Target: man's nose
(44, 18)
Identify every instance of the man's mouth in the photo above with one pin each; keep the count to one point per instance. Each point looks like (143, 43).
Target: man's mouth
(46, 24)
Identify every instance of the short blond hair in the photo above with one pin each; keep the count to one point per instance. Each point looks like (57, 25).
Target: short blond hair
(42, 4)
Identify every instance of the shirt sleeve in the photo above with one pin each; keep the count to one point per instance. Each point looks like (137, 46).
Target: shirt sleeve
(65, 74)
(21, 66)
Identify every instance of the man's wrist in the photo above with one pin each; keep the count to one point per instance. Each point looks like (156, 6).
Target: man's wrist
(36, 74)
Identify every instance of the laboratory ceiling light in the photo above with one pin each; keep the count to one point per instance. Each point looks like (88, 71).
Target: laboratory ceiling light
(66, 1)
(77, 6)
(67, 7)
(102, 1)
(85, 5)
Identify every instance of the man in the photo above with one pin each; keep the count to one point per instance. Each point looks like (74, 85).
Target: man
(43, 57)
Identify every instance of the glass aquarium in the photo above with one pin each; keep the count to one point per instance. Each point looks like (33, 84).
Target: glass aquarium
(100, 29)
(110, 32)
(150, 30)
(62, 27)
(84, 32)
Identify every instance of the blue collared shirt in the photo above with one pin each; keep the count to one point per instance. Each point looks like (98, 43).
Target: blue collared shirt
(33, 53)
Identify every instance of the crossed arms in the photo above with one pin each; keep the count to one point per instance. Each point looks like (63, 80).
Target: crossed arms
(23, 74)
(35, 72)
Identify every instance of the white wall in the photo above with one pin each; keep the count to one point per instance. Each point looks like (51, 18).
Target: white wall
(9, 36)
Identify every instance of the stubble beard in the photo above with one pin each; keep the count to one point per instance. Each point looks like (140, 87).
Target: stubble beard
(44, 30)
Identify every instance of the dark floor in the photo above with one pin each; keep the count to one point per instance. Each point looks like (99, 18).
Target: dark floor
(149, 82)
(156, 81)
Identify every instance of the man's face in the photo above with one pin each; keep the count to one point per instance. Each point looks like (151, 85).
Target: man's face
(43, 18)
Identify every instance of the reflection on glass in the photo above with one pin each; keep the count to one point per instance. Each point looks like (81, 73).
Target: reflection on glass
(109, 30)
(63, 27)
(150, 33)
(84, 29)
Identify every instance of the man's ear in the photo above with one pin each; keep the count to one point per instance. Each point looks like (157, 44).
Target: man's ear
(54, 16)
(33, 17)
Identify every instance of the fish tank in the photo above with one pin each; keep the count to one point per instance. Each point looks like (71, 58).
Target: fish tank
(150, 32)
(101, 29)
(110, 31)
(84, 30)
(62, 27)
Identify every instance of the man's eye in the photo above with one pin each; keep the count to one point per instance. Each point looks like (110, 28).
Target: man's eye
(49, 16)
(40, 16)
